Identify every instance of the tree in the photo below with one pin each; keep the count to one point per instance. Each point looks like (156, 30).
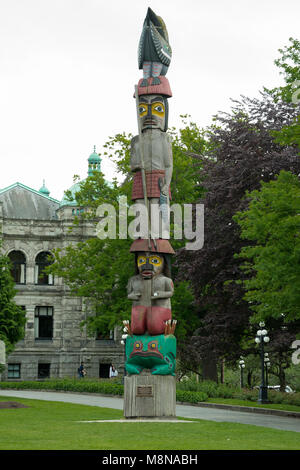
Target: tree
(12, 317)
(289, 65)
(242, 153)
(272, 223)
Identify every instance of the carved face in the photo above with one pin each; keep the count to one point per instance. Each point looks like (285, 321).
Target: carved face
(152, 112)
(150, 264)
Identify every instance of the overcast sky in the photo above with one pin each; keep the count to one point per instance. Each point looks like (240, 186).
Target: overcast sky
(68, 70)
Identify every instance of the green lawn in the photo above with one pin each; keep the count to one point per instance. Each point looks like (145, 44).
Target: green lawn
(54, 426)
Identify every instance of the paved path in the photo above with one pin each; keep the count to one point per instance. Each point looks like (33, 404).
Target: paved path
(185, 411)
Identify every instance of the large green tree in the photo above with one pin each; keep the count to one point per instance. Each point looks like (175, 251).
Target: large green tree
(12, 317)
(272, 223)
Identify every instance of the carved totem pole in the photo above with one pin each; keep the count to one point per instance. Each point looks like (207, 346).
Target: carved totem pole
(151, 343)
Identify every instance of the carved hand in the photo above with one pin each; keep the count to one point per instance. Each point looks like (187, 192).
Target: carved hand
(134, 295)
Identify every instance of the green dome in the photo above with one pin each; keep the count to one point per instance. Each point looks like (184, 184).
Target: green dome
(44, 190)
(94, 162)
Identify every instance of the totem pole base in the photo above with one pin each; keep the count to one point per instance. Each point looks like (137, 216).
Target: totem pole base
(149, 396)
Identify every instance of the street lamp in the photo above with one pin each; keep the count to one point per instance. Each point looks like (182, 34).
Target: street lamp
(261, 339)
(267, 366)
(242, 367)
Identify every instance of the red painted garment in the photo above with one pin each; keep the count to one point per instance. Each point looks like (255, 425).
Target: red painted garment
(152, 178)
(150, 319)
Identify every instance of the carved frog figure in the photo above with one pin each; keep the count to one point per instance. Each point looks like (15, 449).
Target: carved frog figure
(157, 353)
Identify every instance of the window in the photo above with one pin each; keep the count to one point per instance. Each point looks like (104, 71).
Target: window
(77, 211)
(43, 323)
(43, 371)
(18, 270)
(13, 371)
(43, 260)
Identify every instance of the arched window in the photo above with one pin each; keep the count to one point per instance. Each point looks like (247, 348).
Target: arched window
(43, 260)
(18, 270)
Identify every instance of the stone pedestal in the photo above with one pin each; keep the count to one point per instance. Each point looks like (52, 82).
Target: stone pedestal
(149, 396)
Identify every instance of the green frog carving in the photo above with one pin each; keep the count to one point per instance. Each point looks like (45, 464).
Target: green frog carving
(157, 353)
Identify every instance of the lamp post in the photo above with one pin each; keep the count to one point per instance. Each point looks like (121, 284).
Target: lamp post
(242, 367)
(261, 339)
(267, 365)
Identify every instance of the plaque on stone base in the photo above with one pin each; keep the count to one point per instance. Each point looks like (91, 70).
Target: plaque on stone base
(149, 396)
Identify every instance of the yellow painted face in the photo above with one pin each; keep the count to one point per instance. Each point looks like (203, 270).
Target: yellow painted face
(157, 109)
(150, 265)
(154, 260)
(152, 112)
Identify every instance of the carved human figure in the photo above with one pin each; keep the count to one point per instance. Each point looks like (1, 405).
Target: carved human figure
(151, 291)
(152, 151)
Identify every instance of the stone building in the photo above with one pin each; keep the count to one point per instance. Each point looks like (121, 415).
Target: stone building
(32, 224)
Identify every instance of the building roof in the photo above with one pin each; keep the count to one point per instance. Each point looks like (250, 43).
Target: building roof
(21, 202)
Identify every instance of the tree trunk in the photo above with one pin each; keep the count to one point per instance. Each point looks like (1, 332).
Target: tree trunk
(209, 369)
(249, 378)
(281, 377)
(222, 366)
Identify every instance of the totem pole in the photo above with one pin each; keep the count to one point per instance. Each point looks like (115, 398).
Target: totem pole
(151, 344)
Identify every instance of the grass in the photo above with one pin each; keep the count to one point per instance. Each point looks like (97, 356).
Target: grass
(54, 426)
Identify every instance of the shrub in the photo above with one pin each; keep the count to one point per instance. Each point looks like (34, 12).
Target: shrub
(247, 394)
(211, 389)
(190, 396)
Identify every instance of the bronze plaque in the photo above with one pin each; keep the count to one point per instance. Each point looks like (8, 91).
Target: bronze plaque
(144, 391)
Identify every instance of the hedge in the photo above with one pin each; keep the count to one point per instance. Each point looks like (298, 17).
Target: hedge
(71, 385)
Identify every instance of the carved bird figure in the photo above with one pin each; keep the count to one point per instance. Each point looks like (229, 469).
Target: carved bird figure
(154, 51)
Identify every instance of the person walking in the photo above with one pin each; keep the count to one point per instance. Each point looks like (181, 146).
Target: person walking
(112, 371)
(81, 371)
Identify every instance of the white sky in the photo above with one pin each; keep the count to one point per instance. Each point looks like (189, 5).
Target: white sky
(68, 70)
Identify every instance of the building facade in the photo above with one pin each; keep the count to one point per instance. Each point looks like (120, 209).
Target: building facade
(32, 225)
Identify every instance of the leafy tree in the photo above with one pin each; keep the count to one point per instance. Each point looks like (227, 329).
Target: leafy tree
(12, 317)
(289, 65)
(242, 153)
(272, 223)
